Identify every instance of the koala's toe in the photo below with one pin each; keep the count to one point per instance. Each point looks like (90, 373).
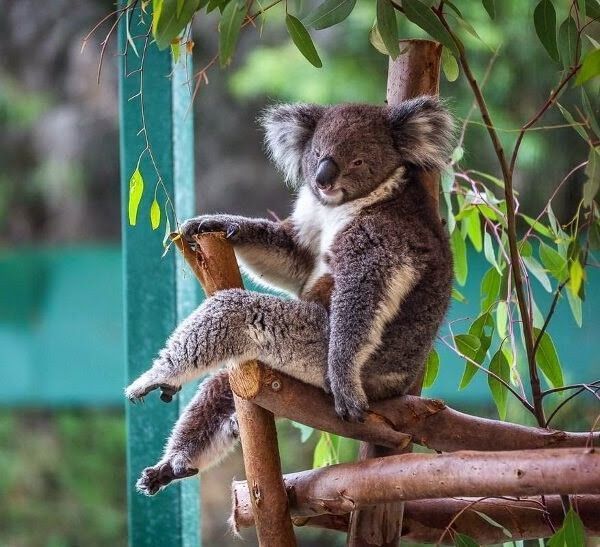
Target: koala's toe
(351, 410)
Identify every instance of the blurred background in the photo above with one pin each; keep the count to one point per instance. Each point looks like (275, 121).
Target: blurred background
(62, 437)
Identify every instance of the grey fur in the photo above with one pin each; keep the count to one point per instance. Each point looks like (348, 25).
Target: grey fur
(368, 260)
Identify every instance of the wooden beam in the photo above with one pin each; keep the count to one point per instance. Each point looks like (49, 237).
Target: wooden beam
(214, 263)
(416, 71)
(157, 295)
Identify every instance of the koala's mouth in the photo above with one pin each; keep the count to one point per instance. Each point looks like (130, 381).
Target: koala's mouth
(331, 194)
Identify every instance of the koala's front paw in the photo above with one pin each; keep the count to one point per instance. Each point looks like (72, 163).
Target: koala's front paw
(350, 401)
(163, 473)
(210, 223)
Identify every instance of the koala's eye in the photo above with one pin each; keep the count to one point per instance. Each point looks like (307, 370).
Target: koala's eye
(356, 163)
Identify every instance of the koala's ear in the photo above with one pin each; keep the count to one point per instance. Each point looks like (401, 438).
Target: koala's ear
(423, 132)
(288, 128)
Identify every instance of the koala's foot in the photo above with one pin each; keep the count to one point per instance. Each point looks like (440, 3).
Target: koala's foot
(147, 383)
(163, 473)
(210, 223)
(350, 406)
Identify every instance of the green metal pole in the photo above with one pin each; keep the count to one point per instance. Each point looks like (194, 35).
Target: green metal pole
(157, 295)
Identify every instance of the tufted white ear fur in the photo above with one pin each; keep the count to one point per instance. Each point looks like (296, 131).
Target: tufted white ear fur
(423, 132)
(288, 129)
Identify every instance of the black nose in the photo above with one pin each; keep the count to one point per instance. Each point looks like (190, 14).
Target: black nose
(327, 172)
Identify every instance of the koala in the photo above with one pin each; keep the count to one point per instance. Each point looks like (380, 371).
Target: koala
(364, 255)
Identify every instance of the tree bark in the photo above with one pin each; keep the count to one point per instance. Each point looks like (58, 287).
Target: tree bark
(426, 520)
(395, 423)
(339, 489)
(416, 71)
(214, 264)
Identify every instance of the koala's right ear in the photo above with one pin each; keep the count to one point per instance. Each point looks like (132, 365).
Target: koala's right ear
(288, 128)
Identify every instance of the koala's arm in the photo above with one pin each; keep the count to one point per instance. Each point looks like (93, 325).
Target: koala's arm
(266, 249)
(370, 287)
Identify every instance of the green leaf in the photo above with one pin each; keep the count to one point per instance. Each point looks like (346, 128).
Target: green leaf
(229, 29)
(576, 276)
(432, 367)
(490, 7)
(449, 65)
(136, 189)
(547, 359)
(422, 16)
(592, 172)
(589, 112)
(459, 251)
(576, 126)
(155, 214)
(538, 272)
(302, 39)
(490, 289)
(176, 52)
(491, 521)
(326, 450)
(167, 237)
(329, 13)
(537, 226)
(567, 41)
(553, 261)
(501, 318)
(488, 251)
(544, 18)
(575, 305)
(500, 367)
(594, 236)
(592, 7)
(305, 431)
(168, 21)
(590, 68)
(388, 27)
(581, 7)
(571, 533)
(468, 345)
(180, 4)
(458, 296)
(472, 226)
(461, 540)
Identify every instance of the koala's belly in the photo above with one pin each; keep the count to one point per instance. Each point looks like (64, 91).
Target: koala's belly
(319, 286)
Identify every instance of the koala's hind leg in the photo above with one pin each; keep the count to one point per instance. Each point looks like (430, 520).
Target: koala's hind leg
(237, 325)
(204, 434)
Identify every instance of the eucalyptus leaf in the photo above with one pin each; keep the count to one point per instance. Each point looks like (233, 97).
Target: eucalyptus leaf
(155, 214)
(547, 359)
(537, 226)
(502, 318)
(490, 7)
(432, 367)
(571, 533)
(567, 41)
(302, 39)
(544, 18)
(575, 305)
(538, 271)
(462, 540)
(229, 29)
(592, 172)
(168, 20)
(589, 112)
(459, 251)
(329, 13)
(576, 126)
(490, 288)
(449, 65)
(422, 16)
(488, 251)
(136, 189)
(326, 451)
(387, 26)
(500, 367)
(306, 431)
(590, 67)
(468, 345)
(553, 261)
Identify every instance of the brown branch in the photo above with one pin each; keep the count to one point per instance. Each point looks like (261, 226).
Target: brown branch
(424, 520)
(339, 489)
(396, 423)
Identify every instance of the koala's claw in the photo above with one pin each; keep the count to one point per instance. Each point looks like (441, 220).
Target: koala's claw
(351, 409)
(136, 394)
(209, 223)
(155, 478)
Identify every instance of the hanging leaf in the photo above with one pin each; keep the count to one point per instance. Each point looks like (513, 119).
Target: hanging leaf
(592, 172)
(502, 319)
(422, 16)
(459, 251)
(488, 251)
(302, 39)
(432, 367)
(305, 431)
(571, 533)
(326, 450)
(168, 21)
(576, 277)
(538, 272)
(547, 359)
(537, 226)
(155, 214)
(590, 68)
(482, 329)
(589, 112)
(449, 65)
(591, 8)
(388, 27)
(136, 189)
(490, 7)
(458, 296)
(576, 126)
(544, 18)
(468, 345)
(329, 13)
(553, 262)
(175, 52)
(167, 237)
(567, 41)
(575, 305)
(490, 289)
(229, 29)
(376, 40)
(461, 540)
(472, 226)
(500, 367)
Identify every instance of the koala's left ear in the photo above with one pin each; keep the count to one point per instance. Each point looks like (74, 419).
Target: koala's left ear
(288, 129)
(423, 132)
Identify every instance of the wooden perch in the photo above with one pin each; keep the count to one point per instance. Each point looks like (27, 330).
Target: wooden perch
(397, 422)
(339, 489)
(425, 520)
(215, 265)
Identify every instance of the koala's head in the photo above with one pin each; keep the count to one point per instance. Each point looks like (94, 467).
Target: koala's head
(344, 152)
